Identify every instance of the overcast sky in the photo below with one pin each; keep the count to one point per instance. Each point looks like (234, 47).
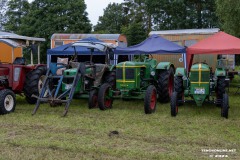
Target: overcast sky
(95, 8)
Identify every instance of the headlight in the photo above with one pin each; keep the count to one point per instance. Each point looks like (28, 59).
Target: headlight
(153, 73)
(86, 82)
(17, 71)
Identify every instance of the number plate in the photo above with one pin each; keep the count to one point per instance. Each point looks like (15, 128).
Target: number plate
(199, 91)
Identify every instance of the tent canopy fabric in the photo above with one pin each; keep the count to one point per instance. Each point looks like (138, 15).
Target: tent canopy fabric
(219, 43)
(152, 45)
(67, 49)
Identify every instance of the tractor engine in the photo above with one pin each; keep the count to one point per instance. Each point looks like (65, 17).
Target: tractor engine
(200, 82)
(4, 72)
(130, 77)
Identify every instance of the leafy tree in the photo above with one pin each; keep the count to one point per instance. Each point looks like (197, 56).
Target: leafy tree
(17, 9)
(3, 9)
(228, 12)
(46, 17)
(112, 20)
(135, 33)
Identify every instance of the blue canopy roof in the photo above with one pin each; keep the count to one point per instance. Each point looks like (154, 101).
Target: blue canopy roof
(152, 45)
(67, 49)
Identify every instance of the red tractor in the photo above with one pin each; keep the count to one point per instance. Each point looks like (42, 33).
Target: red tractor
(18, 78)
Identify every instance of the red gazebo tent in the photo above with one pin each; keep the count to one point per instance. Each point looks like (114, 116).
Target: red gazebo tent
(219, 43)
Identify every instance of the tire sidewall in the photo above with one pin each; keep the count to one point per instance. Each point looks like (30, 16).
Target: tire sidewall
(6, 95)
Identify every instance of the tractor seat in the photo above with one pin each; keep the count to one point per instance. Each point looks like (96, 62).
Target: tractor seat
(20, 61)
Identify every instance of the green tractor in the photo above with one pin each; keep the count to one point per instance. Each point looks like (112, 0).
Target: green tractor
(139, 80)
(78, 79)
(201, 85)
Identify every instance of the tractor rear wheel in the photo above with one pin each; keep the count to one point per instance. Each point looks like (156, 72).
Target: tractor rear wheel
(93, 99)
(225, 106)
(178, 87)
(104, 99)
(34, 83)
(150, 100)
(7, 101)
(165, 85)
(174, 104)
(220, 90)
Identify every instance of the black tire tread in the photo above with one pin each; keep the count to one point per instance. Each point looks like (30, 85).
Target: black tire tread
(3, 94)
(147, 99)
(101, 96)
(173, 104)
(163, 81)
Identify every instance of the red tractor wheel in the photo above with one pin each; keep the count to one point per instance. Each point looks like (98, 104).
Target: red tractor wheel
(150, 100)
(93, 99)
(104, 99)
(7, 101)
(174, 104)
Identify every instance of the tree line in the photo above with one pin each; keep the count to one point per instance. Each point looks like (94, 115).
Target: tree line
(134, 18)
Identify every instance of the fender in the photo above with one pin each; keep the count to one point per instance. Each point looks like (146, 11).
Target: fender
(181, 72)
(112, 67)
(165, 66)
(220, 72)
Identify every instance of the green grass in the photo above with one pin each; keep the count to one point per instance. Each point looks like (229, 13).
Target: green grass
(85, 134)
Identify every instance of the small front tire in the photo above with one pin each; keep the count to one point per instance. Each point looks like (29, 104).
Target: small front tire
(174, 104)
(7, 101)
(93, 99)
(150, 100)
(104, 99)
(225, 106)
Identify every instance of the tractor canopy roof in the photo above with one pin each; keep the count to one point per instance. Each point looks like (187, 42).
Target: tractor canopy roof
(82, 46)
(219, 43)
(152, 45)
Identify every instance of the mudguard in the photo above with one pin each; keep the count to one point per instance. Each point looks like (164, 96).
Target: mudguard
(181, 72)
(112, 67)
(220, 72)
(164, 65)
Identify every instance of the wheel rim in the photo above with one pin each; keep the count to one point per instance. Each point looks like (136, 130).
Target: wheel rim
(8, 102)
(170, 85)
(40, 83)
(107, 99)
(153, 100)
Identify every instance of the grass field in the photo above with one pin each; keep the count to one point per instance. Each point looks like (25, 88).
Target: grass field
(86, 134)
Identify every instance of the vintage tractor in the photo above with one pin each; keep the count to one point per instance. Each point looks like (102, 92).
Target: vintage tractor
(139, 80)
(79, 79)
(18, 78)
(201, 85)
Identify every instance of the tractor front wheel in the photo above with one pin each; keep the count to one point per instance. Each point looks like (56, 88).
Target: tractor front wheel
(150, 100)
(178, 87)
(165, 84)
(225, 106)
(174, 104)
(220, 89)
(104, 99)
(33, 83)
(7, 101)
(93, 99)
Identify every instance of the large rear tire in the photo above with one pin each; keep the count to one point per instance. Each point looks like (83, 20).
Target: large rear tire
(33, 83)
(104, 100)
(150, 100)
(225, 106)
(111, 78)
(174, 104)
(7, 101)
(165, 85)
